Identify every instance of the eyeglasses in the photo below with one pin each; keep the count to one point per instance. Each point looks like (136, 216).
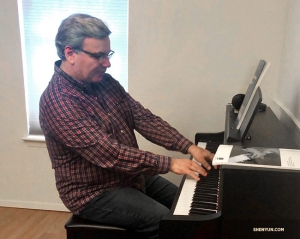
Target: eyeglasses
(100, 56)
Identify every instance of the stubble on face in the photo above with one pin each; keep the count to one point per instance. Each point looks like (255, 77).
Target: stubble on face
(91, 70)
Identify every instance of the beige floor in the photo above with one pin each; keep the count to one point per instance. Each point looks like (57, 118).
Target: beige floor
(18, 223)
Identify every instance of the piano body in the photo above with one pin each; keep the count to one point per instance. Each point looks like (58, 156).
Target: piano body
(248, 203)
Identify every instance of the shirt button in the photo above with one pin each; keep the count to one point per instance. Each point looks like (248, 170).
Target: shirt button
(122, 131)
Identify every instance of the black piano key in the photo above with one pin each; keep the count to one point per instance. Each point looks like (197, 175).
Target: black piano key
(207, 189)
(205, 197)
(202, 211)
(205, 194)
(209, 204)
(204, 205)
(211, 198)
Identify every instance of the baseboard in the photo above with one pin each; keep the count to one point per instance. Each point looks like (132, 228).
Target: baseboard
(290, 122)
(34, 205)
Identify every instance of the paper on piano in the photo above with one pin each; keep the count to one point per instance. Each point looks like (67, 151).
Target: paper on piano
(257, 157)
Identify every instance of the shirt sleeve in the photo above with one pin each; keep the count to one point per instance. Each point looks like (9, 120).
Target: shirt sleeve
(156, 130)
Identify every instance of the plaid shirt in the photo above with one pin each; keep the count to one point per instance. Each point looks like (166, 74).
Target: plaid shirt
(90, 138)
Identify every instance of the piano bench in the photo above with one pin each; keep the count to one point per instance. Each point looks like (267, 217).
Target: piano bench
(79, 228)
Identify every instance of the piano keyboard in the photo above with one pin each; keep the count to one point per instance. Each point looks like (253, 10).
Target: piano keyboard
(186, 197)
(200, 198)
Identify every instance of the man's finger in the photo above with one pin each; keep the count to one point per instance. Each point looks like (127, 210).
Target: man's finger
(195, 167)
(194, 175)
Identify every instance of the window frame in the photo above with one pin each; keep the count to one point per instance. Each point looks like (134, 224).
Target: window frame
(34, 71)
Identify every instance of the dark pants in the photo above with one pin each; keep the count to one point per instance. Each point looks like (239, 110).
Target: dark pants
(130, 208)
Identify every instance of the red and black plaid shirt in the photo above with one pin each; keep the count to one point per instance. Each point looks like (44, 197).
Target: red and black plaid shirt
(91, 142)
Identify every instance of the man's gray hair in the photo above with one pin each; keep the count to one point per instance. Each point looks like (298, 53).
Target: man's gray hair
(74, 29)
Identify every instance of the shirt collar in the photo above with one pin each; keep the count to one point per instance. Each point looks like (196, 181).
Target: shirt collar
(63, 74)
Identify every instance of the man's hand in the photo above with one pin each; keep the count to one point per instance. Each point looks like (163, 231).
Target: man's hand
(201, 155)
(190, 167)
(187, 166)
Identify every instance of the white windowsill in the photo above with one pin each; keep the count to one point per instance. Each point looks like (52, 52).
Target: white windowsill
(35, 141)
(35, 138)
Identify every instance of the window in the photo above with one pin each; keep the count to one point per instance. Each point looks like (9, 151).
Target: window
(39, 21)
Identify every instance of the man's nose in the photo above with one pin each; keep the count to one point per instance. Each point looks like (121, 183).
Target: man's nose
(106, 63)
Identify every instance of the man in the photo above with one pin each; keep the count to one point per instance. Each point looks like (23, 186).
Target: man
(89, 120)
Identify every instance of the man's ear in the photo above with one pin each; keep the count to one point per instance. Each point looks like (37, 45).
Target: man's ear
(70, 54)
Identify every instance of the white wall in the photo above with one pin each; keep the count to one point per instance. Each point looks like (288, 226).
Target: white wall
(186, 61)
(26, 177)
(288, 95)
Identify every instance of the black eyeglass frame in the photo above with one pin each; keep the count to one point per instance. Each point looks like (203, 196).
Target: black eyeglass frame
(98, 55)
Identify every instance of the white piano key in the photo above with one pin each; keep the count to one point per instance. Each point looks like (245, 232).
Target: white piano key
(185, 199)
(202, 144)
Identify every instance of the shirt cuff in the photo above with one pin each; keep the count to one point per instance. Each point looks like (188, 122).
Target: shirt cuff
(163, 164)
(184, 145)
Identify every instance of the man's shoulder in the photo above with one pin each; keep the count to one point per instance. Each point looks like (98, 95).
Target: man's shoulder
(59, 90)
